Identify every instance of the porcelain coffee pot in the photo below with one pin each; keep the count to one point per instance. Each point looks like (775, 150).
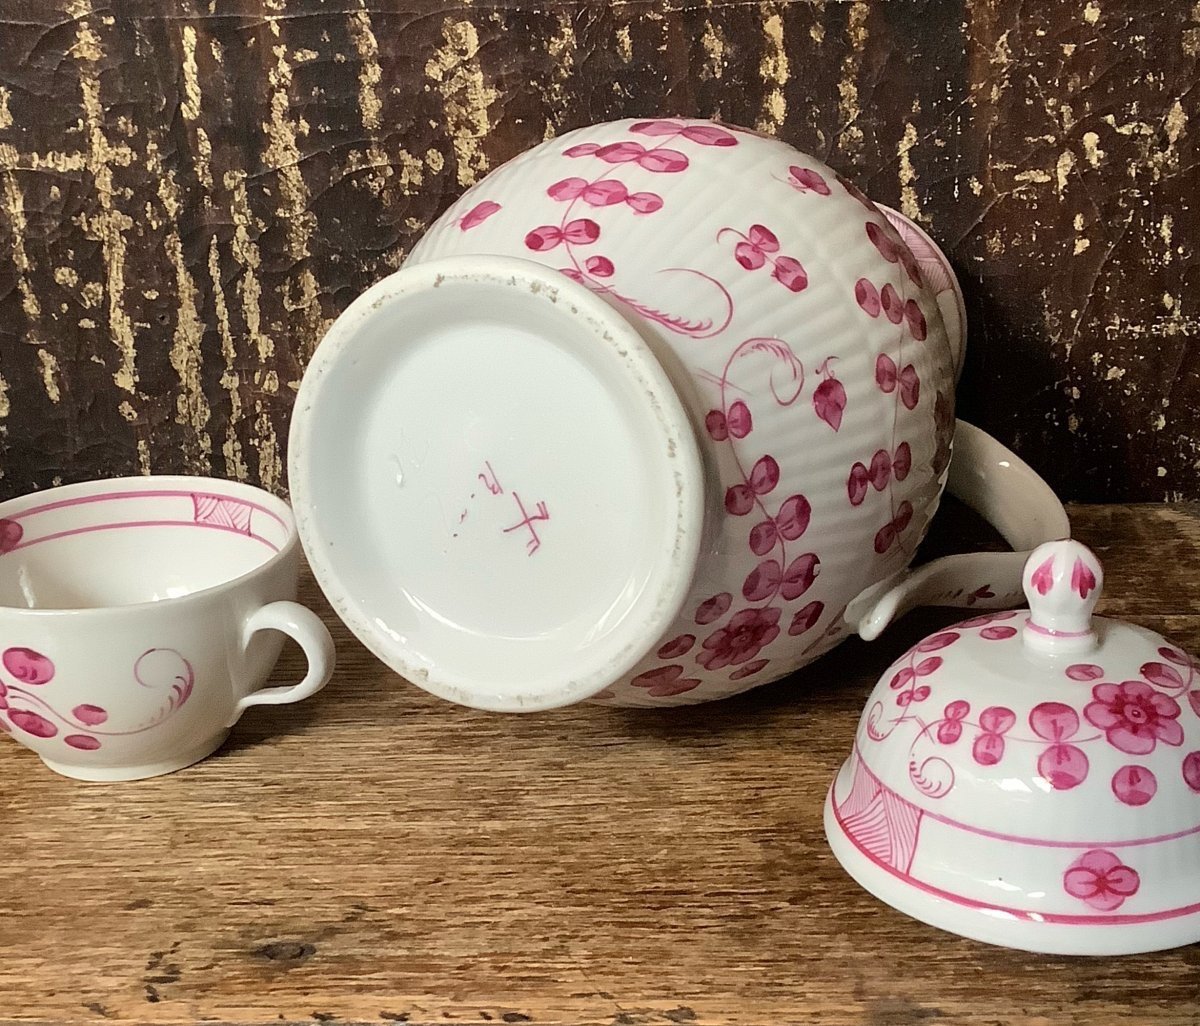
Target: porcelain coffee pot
(656, 412)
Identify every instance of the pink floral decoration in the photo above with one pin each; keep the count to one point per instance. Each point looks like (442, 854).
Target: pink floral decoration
(1063, 765)
(1134, 785)
(28, 666)
(84, 742)
(1101, 880)
(829, 400)
(579, 232)
(910, 387)
(758, 246)
(807, 617)
(753, 251)
(995, 722)
(1191, 771)
(881, 241)
(704, 134)
(477, 215)
(1134, 716)
(856, 484)
(677, 647)
(1042, 578)
(1082, 579)
(659, 159)
(599, 266)
(92, 715)
(714, 608)
(665, 681)
(936, 642)
(916, 320)
(867, 296)
(893, 306)
(32, 723)
(805, 179)
(1084, 671)
(950, 729)
(10, 535)
(746, 634)
(1162, 675)
(749, 669)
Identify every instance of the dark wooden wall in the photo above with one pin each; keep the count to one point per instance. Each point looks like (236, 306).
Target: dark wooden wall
(191, 191)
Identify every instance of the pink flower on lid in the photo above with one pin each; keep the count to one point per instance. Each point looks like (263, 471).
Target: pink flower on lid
(1134, 716)
(1099, 879)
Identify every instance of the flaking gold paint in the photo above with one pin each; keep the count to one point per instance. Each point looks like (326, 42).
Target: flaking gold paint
(246, 253)
(774, 70)
(1091, 148)
(910, 207)
(850, 135)
(231, 448)
(713, 44)
(186, 355)
(109, 226)
(14, 207)
(370, 105)
(6, 118)
(283, 155)
(457, 73)
(561, 46)
(190, 109)
(50, 374)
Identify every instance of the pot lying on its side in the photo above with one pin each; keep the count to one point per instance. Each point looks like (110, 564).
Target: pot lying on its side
(656, 412)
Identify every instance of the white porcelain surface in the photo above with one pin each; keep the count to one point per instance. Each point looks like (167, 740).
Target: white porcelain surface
(500, 489)
(801, 330)
(139, 617)
(1032, 778)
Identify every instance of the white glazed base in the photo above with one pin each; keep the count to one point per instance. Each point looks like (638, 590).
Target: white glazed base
(113, 774)
(995, 926)
(496, 484)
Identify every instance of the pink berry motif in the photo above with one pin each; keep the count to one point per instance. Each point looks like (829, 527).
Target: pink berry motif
(662, 153)
(28, 666)
(1050, 741)
(804, 179)
(757, 247)
(10, 535)
(1101, 880)
(739, 630)
(27, 690)
(897, 378)
(1133, 716)
(479, 213)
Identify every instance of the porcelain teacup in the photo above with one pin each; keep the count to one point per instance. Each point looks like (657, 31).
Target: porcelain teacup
(140, 617)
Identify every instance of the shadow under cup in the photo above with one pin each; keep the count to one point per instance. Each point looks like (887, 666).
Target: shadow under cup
(127, 638)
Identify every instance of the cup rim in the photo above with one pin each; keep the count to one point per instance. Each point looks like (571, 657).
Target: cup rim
(157, 483)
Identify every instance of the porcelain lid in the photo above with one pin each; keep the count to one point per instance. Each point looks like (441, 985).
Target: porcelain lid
(1043, 725)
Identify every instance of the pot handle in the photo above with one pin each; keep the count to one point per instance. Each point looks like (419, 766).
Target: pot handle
(1003, 489)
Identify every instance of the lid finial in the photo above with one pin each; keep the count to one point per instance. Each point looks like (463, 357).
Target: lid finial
(1062, 582)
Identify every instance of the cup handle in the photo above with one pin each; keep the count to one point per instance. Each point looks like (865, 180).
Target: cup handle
(1003, 489)
(304, 627)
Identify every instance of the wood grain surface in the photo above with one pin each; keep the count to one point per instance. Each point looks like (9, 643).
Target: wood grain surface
(377, 856)
(190, 191)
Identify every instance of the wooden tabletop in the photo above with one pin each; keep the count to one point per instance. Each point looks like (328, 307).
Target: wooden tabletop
(375, 855)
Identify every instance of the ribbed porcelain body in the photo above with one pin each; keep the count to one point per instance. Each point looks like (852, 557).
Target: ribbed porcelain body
(808, 340)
